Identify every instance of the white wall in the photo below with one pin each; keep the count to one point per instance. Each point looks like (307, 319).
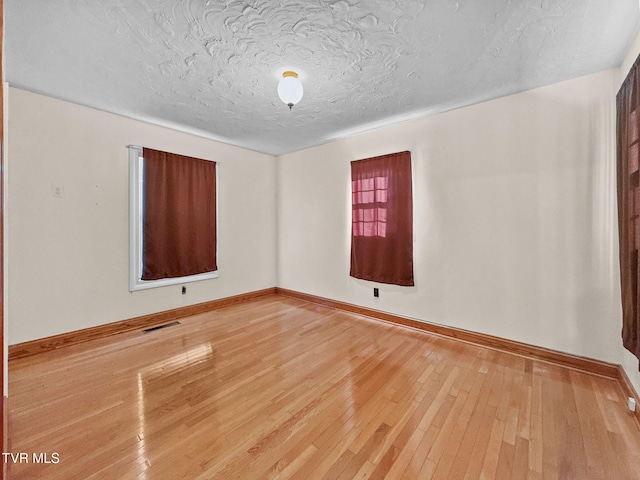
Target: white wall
(514, 218)
(68, 257)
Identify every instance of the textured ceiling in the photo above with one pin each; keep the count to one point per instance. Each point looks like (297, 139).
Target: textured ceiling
(211, 67)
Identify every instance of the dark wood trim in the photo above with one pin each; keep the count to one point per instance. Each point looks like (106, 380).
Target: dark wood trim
(26, 349)
(629, 391)
(539, 353)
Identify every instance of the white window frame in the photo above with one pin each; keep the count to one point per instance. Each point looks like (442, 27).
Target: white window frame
(136, 165)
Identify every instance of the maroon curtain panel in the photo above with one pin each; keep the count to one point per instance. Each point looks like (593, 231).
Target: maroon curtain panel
(628, 133)
(382, 219)
(179, 215)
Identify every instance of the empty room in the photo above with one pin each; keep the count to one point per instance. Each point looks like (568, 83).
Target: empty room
(379, 239)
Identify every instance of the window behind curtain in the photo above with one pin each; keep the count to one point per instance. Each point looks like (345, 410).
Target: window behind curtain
(628, 134)
(172, 219)
(179, 216)
(382, 219)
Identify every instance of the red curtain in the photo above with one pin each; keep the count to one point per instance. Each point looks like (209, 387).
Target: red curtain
(179, 216)
(382, 219)
(628, 130)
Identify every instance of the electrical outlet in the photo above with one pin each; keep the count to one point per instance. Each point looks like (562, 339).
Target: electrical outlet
(184, 290)
(631, 404)
(57, 191)
(376, 292)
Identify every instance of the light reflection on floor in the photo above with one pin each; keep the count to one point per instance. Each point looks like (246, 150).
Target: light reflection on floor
(182, 360)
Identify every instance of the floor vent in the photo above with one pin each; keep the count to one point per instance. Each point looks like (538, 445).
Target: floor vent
(158, 327)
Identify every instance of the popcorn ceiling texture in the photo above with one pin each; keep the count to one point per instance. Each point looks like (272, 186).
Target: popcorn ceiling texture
(212, 67)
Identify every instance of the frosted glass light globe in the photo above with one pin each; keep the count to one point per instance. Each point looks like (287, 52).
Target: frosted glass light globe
(290, 89)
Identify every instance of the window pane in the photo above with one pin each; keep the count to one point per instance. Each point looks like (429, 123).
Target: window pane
(381, 183)
(369, 229)
(382, 229)
(369, 215)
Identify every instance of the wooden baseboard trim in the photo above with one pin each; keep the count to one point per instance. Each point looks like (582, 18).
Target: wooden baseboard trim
(539, 353)
(26, 349)
(629, 391)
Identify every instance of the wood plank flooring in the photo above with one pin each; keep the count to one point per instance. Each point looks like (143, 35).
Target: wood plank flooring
(278, 388)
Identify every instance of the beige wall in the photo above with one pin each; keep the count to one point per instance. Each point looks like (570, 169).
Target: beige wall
(514, 218)
(68, 257)
(514, 213)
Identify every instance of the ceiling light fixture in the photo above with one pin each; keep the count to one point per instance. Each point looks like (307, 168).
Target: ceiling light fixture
(290, 89)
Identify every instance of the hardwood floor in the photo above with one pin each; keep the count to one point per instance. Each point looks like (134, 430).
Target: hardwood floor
(281, 388)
